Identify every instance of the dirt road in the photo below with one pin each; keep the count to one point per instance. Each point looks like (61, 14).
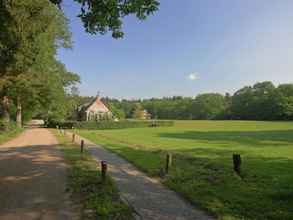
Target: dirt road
(33, 179)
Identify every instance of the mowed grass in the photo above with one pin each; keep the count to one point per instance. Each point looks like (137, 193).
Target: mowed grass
(202, 163)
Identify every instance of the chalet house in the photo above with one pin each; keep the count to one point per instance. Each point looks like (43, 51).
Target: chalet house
(95, 110)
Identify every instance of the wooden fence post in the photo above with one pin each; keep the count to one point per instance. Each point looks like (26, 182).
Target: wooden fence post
(168, 162)
(103, 170)
(81, 146)
(237, 163)
(73, 138)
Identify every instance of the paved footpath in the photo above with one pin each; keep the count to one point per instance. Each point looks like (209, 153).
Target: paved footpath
(150, 199)
(33, 179)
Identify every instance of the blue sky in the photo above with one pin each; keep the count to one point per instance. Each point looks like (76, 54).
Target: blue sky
(188, 47)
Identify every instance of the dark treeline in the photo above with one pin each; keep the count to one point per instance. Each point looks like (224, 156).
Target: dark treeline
(262, 101)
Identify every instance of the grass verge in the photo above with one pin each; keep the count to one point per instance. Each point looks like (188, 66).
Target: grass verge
(7, 135)
(98, 199)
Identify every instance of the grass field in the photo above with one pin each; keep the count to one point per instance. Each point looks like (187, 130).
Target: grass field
(202, 163)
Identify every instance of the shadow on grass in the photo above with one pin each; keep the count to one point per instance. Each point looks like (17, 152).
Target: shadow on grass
(249, 138)
(205, 176)
(265, 192)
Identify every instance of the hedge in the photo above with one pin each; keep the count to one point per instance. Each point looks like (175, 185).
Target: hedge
(102, 125)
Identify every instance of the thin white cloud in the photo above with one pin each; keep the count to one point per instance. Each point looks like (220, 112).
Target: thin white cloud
(193, 76)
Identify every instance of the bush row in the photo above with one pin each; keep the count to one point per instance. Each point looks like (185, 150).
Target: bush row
(109, 124)
(5, 126)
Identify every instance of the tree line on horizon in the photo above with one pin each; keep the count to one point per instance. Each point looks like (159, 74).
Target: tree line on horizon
(261, 101)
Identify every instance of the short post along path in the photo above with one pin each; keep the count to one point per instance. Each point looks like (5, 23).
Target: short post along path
(150, 199)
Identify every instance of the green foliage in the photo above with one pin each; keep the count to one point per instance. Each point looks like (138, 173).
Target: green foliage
(85, 182)
(209, 106)
(285, 101)
(176, 107)
(33, 31)
(5, 126)
(31, 76)
(117, 113)
(8, 131)
(286, 107)
(202, 163)
(102, 16)
(165, 108)
(262, 101)
(72, 101)
(103, 125)
(138, 112)
(126, 106)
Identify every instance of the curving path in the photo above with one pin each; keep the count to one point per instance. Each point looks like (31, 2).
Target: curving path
(33, 179)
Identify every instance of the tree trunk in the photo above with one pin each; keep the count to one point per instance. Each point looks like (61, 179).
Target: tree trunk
(18, 113)
(5, 105)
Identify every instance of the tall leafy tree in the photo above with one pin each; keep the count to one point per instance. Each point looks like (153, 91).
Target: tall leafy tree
(208, 106)
(285, 101)
(257, 102)
(34, 30)
(240, 107)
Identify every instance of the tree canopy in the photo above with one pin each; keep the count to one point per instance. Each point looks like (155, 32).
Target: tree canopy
(31, 76)
(100, 16)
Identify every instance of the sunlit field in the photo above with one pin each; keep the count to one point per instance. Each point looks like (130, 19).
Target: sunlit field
(202, 163)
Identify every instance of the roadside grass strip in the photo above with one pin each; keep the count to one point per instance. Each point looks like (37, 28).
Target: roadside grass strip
(99, 199)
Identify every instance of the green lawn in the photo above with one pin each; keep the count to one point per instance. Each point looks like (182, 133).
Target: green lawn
(202, 166)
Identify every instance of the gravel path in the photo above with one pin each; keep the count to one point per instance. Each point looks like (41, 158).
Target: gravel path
(33, 179)
(146, 195)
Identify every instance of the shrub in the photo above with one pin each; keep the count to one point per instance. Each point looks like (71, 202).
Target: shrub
(5, 126)
(61, 124)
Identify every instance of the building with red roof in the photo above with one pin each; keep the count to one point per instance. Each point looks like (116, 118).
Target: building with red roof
(95, 110)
